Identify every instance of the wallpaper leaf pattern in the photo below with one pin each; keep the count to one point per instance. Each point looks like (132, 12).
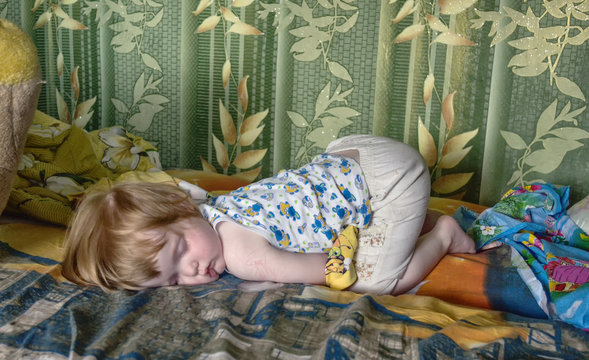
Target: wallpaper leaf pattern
(538, 54)
(322, 24)
(546, 151)
(438, 32)
(129, 27)
(54, 10)
(82, 109)
(248, 128)
(466, 78)
(327, 121)
(544, 49)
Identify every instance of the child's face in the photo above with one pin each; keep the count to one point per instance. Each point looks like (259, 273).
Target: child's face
(192, 255)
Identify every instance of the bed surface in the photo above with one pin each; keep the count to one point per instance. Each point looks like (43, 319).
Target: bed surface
(448, 316)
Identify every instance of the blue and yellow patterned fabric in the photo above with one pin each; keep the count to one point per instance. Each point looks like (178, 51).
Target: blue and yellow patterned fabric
(42, 316)
(533, 220)
(299, 210)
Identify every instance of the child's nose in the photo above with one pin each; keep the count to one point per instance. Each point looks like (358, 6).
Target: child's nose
(202, 270)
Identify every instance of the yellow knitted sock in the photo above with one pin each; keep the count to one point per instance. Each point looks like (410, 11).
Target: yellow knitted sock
(339, 269)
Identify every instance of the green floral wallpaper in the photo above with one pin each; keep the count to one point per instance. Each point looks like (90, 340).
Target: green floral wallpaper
(492, 92)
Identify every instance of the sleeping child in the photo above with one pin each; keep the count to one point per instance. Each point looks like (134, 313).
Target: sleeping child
(351, 219)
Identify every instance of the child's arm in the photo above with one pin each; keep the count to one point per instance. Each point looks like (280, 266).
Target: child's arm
(250, 257)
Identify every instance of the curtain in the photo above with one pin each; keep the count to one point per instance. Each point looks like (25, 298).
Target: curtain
(492, 92)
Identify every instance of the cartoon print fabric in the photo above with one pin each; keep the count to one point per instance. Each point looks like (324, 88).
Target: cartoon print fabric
(299, 210)
(533, 221)
(340, 272)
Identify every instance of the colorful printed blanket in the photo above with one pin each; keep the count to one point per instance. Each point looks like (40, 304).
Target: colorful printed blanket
(554, 260)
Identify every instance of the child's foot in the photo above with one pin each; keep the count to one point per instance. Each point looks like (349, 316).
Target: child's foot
(459, 242)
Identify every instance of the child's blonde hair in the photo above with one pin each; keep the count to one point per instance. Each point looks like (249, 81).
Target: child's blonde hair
(110, 241)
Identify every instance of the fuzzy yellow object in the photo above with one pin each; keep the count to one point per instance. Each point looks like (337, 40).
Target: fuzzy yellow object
(19, 60)
(20, 85)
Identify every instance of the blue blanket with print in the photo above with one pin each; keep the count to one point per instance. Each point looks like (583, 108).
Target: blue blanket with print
(533, 221)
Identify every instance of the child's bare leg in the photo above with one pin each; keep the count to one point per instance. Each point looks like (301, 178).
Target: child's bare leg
(431, 219)
(445, 238)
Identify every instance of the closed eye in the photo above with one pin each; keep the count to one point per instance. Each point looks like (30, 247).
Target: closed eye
(180, 248)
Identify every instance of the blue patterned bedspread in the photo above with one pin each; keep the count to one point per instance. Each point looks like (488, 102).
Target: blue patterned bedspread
(42, 316)
(232, 319)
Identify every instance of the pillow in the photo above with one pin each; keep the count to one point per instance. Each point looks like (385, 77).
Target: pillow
(579, 213)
